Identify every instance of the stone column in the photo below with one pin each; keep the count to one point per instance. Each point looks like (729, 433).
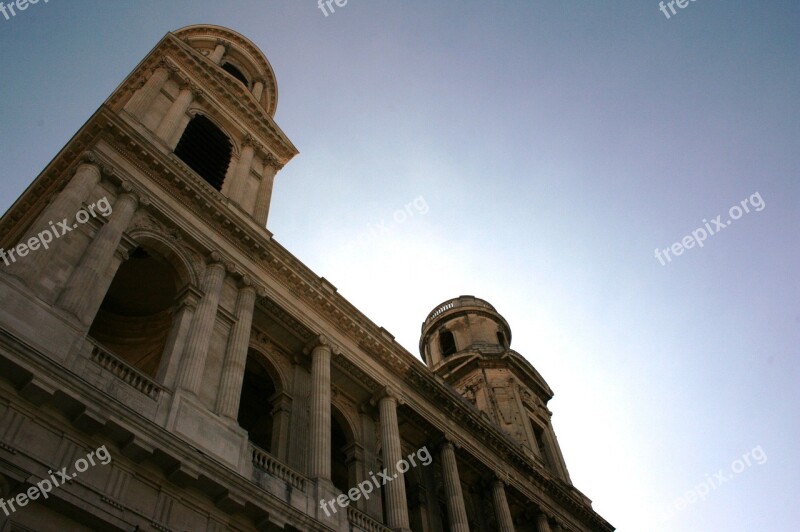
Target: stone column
(230, 392)
(205, 317)
(501, 509)
(396, 502)
(86, 288)
(299, 444)
(452, 489)
(65, 205)
(542, 524)
(218, 53)
(319, 463)
(281, 423)
(185, 306)
(261, 211)
(143, 98)
(354, 459)
(258, 89)
(169, 124)
(242, 172)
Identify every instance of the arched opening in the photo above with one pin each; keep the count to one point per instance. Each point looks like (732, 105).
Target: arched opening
(501, 339)
(339, 471)
(255, 409)
(541, 444)
(236, 73)
(206, 149)
(447, 343)
(344, 456)
(136, 315)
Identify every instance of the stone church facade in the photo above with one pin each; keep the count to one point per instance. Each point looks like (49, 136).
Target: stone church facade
(232, 387)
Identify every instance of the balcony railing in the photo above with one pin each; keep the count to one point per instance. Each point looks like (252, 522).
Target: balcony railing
(446, 306)
(463, 301)
(364, 522)
(269, 464)
(123, 371)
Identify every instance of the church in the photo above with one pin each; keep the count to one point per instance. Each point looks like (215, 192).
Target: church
(166, 364)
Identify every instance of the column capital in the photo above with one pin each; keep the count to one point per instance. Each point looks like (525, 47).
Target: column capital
(127, 197)
(168, 66)
(386, 393)
(215, 257)
(89, 163)
(107, 171)
(281, 402)
(246, 283)
(250, 142)
(271, 161)
(189, 297)
(125, 188)
(185, 84)
(88, 157)
(321, 342)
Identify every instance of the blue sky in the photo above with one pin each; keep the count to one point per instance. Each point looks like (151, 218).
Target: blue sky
(556, 145)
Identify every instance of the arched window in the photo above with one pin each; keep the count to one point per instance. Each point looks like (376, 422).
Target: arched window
(135, 317)
(447, 343)
(339, 473)
(541, 444)
(236, 73)
(501, 338)
(255, 410)
(344, 456)
(206, 150)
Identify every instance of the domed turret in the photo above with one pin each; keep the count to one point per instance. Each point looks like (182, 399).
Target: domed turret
(460, 325)
(467, 343)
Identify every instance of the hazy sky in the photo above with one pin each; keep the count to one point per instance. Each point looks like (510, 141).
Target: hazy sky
(551, 148)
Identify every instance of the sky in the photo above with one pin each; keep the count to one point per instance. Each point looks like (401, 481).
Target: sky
(534, 154)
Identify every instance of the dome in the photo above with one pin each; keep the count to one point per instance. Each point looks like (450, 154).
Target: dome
(243, 59)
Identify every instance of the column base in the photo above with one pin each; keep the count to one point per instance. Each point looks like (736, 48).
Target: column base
(330, 513)
(205, 430)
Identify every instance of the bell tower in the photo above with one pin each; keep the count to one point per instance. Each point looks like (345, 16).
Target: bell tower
(163, 197)
(467, 343)
(220, 123)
